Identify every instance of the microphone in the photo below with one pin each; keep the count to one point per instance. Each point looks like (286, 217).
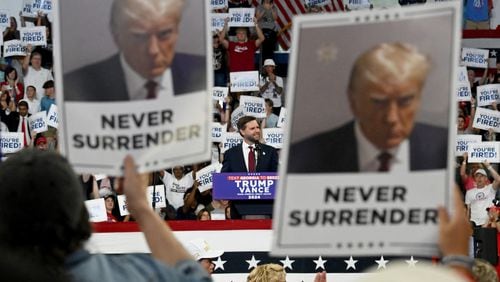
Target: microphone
(257, 146)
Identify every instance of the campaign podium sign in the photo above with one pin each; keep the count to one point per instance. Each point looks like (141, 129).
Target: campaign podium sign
(245, 185)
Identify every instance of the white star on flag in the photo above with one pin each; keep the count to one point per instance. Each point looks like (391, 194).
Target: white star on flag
(320, 263)
(411, 262)
(219, 263)
(252, 263)
(381, 262)
(493, 53)
(287, 263)
(351, 263)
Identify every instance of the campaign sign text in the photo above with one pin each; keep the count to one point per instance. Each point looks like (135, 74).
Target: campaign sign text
(463, 142)
(486, 119)
(122, 205)
(38, 122)
(487, 94)
(463, 91)
(484, 151)
(205, 178)
(357, 4)
(27, 9)
(236, 115)
(253, 106)
(243, 81)
(97, 210)
(157, 194)
(35, 36)
(230, 139)
(281, 118)
(218, 21)
(4, 18)
(241, 16)
(52, 116)
(217, 131)
(218, 4)
(245, 186)
(477, 58)
(273, 137)
(318, 3)
(13, 48)
(219, 93)
(11, 142)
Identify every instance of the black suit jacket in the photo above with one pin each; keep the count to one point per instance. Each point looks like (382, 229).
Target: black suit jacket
(105, 80)
(337, 151)
(12, 120)
(267, 159)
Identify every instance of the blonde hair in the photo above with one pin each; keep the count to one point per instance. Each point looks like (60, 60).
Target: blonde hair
(483, 271)
(270, 272)
(389, 63)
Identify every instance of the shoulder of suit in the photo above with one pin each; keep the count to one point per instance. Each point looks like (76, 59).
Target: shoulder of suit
(329, 137)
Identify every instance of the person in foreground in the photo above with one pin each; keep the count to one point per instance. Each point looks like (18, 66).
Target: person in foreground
(44, 219)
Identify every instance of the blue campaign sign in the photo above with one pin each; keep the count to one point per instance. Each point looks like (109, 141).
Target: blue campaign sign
(245, 186)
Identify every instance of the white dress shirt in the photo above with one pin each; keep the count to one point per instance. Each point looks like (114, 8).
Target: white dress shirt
(368, 154)
(135, 83)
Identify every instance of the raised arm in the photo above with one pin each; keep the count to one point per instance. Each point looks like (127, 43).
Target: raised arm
(260, 35)
(494, 174)
(26, 61)
(160, 238)
(222, 34)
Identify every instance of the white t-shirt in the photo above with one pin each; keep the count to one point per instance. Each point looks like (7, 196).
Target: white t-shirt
(37, 78)
(176, 188)
(479, 199)
(269, 93)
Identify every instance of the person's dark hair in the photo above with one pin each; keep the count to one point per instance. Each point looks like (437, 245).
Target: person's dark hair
(42, 214)
(269, 102)
(23, 103)
(6, 93)
(8, 70)
(242, 122)
(48, 84)
(200, 213)
(31, 86)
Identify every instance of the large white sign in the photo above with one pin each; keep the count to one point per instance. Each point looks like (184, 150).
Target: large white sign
(486, 119)
(161, 124)
(487, 94)
(241, 16)
(230, 140)
(35, 36)
(11, 142)
(473, 57)
(484, 151)
(243, 81)
(13, 48)
(253, 106)
(97, 210)
(352, 208)
(463, 141)
(204, 176)
(273, 137)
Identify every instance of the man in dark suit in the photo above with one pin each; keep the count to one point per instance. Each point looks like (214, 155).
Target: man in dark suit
(15, 120)
(147, 67)
(250, 156)
(384, 92)
(238, 158)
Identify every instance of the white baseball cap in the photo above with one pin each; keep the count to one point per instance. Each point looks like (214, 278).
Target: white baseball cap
(269, 62)
(200, 249)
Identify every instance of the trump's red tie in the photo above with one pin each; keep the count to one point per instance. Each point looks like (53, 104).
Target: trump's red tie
(151, 86)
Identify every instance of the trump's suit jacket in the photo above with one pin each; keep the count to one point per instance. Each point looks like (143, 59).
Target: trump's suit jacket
(105, 80)
(337, 151)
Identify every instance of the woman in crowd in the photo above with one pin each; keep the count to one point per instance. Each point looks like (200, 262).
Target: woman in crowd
(204, 214)
(12, 85)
